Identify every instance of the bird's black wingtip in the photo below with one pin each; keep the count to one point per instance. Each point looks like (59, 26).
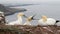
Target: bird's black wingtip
(57, 21)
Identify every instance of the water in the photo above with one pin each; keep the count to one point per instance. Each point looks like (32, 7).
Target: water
(50, 10)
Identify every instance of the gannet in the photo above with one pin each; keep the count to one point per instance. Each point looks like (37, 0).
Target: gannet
(46, 21)
(28, 20)
(18, 21)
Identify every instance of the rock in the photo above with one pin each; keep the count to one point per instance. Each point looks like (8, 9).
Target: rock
(30, 29)
(2, 18)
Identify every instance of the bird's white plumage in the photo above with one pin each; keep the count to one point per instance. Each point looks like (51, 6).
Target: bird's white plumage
(18, 21)
(27, 23)
(49, 21)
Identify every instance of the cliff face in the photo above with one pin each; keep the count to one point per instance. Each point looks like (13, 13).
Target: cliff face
(20, 29)
(9, 11)
(2, 18)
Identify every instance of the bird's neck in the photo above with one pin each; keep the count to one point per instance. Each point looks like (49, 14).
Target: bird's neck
(45, 19)
(20, 19)
(27, 21)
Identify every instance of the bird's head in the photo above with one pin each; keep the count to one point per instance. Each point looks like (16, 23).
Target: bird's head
(21, 14)
(30, 18)
(44, 18)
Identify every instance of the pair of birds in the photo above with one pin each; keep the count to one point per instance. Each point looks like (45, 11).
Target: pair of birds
(19, 20)
(43, 22)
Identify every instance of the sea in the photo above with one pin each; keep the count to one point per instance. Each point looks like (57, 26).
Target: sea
(51, 10)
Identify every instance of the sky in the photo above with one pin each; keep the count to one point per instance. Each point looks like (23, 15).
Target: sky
(26, 1)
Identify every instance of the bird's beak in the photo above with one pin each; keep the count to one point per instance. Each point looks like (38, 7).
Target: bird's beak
(33, 15)
(25, 16)
(34, 18)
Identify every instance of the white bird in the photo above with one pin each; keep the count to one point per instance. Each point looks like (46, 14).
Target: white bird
(46, 21)
(28, 20)
(18, 21)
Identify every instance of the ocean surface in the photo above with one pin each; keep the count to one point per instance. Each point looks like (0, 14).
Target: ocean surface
(50, 10)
